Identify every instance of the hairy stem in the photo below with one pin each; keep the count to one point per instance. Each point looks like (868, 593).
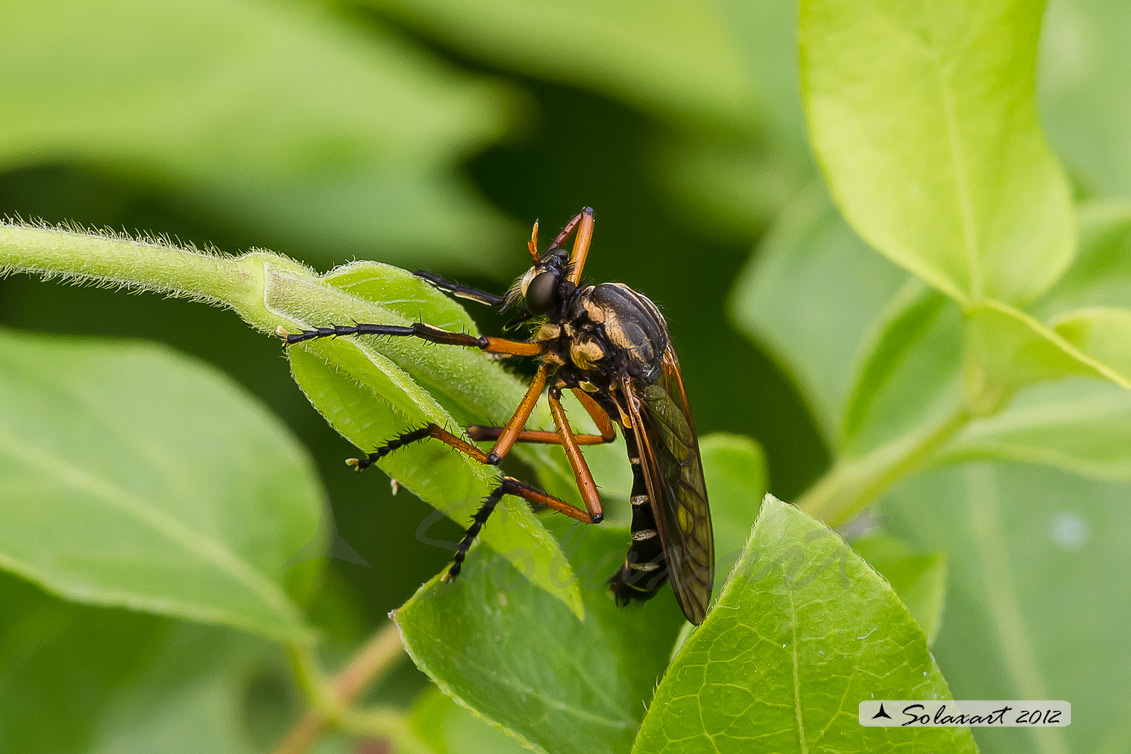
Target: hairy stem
(236, 282)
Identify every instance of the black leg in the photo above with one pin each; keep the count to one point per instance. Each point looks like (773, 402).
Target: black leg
(461, 291)
(507, 485)
(407, 438)
(472, 532)
(417, 330)
(513, 486)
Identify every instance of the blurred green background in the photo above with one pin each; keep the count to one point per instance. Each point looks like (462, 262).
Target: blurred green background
(430, 134)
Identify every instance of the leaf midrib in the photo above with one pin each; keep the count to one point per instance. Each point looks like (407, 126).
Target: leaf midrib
(795, 666)
(961, 180)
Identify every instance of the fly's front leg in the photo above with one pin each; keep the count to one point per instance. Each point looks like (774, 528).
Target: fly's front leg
(417, 330)
(461, 291)
(581, 227)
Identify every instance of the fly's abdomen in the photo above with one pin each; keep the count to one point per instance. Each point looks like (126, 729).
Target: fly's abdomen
(644, 569)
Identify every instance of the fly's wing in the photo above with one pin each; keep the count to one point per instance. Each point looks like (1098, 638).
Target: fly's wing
(672, 381)
(673, 470)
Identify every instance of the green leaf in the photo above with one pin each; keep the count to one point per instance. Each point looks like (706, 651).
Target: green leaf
(1101, 273)
(1102, 334)
(923, 119)
(522, 660)
(79, 679)
(918, 578)
(1081, 426)
(1008, 348)
(811, 294)
(1030, 612)
(803, 631)
(406, 294)
(910, 375)
(1085, 64)
(137, 477)
(287, 121)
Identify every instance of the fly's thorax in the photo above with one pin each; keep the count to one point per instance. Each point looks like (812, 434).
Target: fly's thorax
(625, 325)
(587, 351)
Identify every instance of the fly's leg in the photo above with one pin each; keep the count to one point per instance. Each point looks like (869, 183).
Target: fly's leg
(417, 330)
(502, 445)
(511, 486)
(507, 486)
(582, 226)
(461, 291)
(604, 426)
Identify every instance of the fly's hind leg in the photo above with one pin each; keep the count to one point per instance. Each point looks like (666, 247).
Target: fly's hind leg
(507, 486)
(511, 486)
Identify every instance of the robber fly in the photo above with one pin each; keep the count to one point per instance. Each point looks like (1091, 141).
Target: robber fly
(609, 345)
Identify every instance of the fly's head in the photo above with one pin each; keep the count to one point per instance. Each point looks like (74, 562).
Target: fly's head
(542, 290)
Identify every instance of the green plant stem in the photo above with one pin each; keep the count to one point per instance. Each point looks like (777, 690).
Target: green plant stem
(237, 282)
(308, 675)
(852, 483)
(331, 701)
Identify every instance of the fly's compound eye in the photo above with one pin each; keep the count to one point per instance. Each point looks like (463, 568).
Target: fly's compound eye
(541, 293)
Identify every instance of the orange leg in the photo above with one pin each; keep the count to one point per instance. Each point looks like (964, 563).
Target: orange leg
(581, 246)
(510, 486)
(583, 224)
(596, 413)
(539, 436)
(514, 427)
(566, 231)
(581, 472)
(478, 432)
(535, 495)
